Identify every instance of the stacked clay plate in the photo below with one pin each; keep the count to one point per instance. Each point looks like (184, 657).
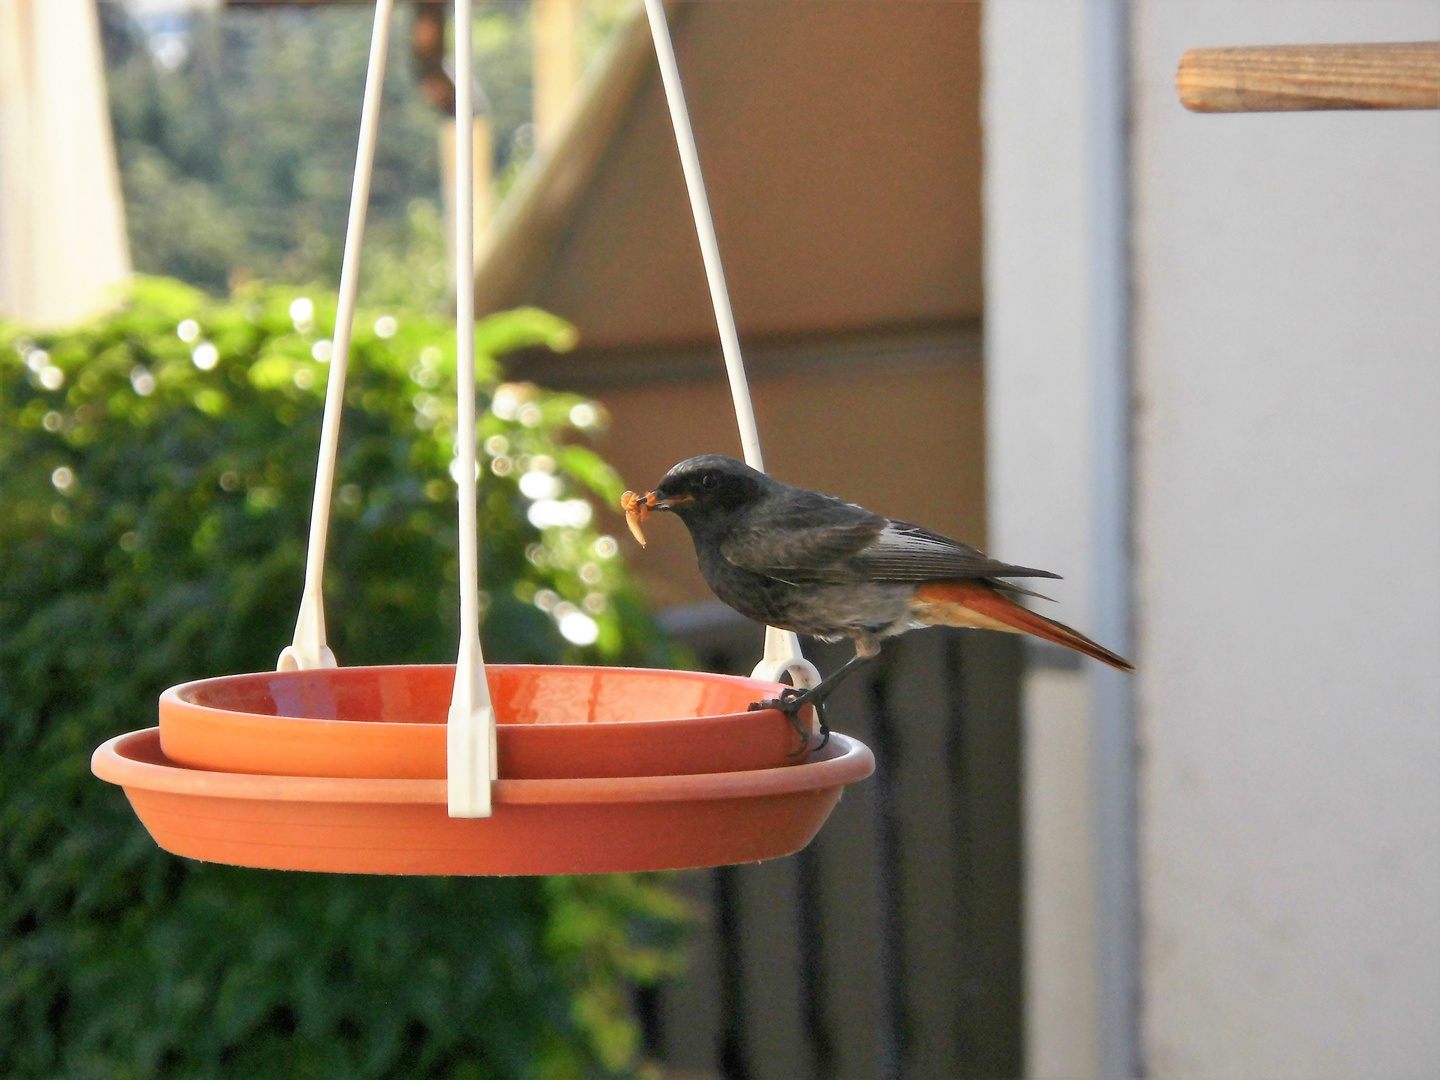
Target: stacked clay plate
(601, 770)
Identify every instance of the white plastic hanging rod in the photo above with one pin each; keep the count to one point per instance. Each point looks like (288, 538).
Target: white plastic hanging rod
(782, 648)
(309, 649)
(705, 227)
(470, 732)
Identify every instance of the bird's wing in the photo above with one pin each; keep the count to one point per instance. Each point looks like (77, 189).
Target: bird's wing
(905, 552)
(803, 536)
(807, 537)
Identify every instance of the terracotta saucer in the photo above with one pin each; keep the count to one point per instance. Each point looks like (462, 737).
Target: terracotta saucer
(553, 722)
(369, 826)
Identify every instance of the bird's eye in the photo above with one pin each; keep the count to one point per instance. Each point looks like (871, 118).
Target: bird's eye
(708, 480)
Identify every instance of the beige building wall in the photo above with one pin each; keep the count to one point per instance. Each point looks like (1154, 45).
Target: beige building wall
(840, 144)
(63, 247)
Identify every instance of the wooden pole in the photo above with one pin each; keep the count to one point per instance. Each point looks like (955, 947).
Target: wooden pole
(483, 204)
(555, 33)
(1287, 78)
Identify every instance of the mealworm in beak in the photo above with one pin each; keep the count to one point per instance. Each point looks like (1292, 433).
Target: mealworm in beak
(637, 509)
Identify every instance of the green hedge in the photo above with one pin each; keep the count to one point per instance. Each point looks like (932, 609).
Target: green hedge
(155, 477)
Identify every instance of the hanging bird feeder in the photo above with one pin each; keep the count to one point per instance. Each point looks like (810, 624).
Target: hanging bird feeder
(464, 769)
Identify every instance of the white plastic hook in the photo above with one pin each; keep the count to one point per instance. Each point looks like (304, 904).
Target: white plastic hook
(783, 657)
(309, 649)
(782, 648)
(470, 752)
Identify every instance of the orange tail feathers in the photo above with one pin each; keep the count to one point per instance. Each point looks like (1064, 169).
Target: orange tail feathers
(973, 603)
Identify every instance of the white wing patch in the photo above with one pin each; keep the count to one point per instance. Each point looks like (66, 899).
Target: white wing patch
(907, 552)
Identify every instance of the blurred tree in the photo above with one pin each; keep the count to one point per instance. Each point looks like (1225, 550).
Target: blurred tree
(155, 478)
(236, 149)
(236, 141)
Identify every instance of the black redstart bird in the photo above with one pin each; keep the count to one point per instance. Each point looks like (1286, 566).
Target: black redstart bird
(821, 566)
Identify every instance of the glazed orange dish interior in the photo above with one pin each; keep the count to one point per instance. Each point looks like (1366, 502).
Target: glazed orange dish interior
(521, 694)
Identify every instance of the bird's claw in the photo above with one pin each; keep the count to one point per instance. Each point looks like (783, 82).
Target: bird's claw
(790, 702)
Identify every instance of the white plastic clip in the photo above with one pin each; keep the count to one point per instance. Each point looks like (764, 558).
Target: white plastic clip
(783, 657)
(470, 756)
(309, 649)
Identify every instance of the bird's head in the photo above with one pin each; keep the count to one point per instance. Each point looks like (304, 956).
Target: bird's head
(707, 492)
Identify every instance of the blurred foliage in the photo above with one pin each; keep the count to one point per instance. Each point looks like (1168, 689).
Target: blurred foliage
(236, 132)
(236, 137)
(156, 470)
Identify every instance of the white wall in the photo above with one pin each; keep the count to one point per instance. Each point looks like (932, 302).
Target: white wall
(1287, 274)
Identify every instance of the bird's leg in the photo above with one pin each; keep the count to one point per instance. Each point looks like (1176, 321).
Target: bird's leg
(795, 722)
(792, 700)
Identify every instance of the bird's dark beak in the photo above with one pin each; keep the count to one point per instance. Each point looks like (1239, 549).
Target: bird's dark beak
(657, 501)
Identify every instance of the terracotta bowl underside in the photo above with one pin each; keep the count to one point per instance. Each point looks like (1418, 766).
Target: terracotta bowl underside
(577, 826)
(552, 722)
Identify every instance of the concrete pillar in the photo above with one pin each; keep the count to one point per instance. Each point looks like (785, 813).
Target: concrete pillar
(1056, 345)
